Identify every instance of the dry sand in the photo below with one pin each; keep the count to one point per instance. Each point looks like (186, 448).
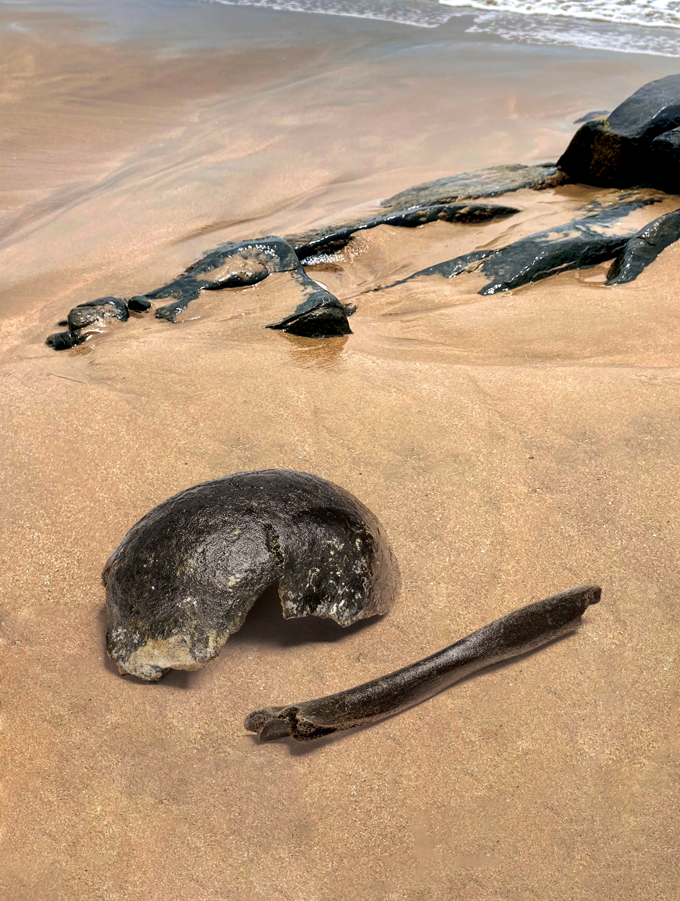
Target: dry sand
(513, 446)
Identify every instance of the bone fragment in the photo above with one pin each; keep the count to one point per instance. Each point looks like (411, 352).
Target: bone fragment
(518, 632)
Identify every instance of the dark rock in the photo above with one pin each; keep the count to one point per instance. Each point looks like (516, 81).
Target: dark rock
(642, 249)
(139, 304)
(320, 315)
(185, 576)
(577, 245)
(615, 151)
(232, 265)
(96, 311)
(322, 322)
(468, 262)
(471, 185)
(664, 160)
(62, 340)
(63, 322)
(595, 114)
(330, 241)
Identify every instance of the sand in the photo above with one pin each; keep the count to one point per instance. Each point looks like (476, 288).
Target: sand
(513, 446)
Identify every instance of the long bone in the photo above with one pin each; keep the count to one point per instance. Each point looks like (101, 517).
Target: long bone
(520, 631)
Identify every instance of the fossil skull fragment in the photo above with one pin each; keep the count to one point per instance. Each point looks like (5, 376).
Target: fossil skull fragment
(185, 576)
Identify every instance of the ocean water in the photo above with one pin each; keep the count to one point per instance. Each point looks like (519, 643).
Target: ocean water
(622, 26)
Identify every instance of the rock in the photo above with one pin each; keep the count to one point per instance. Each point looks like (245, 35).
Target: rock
(615, 151)
(233, 265)
(322, 322)
(642, 249)
(62, 340)
(326, 240)
(468, 262)
(139, 304)
(471, 185)
(96, 311)
(185, 576)
(664, 160)
(577, 245)
(320, 315)
(595, 114)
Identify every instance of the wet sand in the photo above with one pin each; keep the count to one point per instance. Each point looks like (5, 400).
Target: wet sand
(513, 446)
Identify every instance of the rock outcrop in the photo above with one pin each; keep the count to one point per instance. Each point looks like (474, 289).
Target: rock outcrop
(625, 147)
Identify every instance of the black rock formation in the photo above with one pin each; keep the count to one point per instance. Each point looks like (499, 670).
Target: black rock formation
(233, 265)
(579, 244)
(471, 185)
(185, 576)
(644, 247)
(330, 240)
(320, 315)
(617, 150)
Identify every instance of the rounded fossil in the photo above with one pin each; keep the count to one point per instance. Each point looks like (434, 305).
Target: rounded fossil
(185, 576)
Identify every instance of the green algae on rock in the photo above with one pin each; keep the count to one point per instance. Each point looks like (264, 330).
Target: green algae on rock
(185, 576)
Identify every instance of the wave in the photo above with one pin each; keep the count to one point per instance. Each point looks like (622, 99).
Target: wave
(421, 13)
(654, 13)
(624, 26)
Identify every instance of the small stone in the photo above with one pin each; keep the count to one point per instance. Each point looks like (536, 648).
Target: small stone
(62, 340)
(139, 304)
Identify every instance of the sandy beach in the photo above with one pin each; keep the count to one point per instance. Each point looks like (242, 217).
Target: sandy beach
(513, 446)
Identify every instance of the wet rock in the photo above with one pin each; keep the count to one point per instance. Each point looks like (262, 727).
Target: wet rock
(94, 312)
(471, 185)
(139, 304)
(233, 265)
(62, 340)
(468, 262)
(320, 315)
(332, 240)
(664, 160)
(579, 244)
(615, 151)
(185, 576)
(644, 248)
(322, 322)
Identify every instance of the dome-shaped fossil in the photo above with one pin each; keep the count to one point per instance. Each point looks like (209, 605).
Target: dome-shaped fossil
(185, 576)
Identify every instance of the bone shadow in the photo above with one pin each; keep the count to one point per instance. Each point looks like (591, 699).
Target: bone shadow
(265, 626)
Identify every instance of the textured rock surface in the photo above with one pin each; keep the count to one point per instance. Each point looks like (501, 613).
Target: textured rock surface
(615, 151)
(470, 185)
(330, 240)
(185, 576)
(644, 247)
(577, 245)
(234, 265)
(319, 315)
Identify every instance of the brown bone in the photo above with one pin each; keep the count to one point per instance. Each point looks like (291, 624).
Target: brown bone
(518, 632)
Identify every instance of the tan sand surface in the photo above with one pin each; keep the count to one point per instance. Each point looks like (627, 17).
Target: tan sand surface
(513, 446)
